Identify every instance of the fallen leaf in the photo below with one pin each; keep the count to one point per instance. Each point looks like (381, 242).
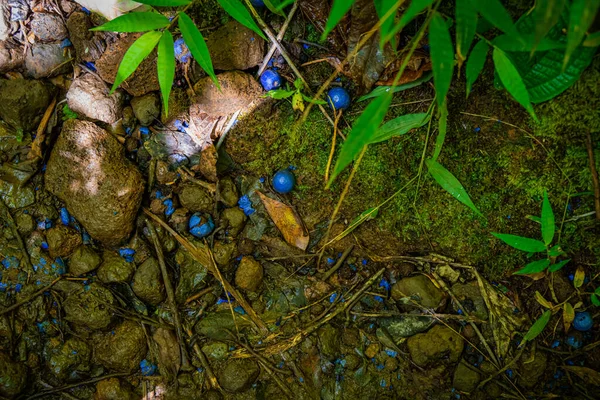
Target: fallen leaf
(418, 64)
(287, 221)
(587, 374)
(540, 299)
(169, 356)
(579, 277)
(568, 315)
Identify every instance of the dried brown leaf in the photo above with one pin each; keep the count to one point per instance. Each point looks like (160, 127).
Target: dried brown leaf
(587, 374)
(287, 221)
(169, 356)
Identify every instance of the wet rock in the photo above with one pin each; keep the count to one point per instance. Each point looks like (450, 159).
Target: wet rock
(88, 89)
(163, 174)
(24, 102)
(532, 369)
(238, 375)
(65, 358)
(10, 58)
(465, 379)
(145, 77)
(83, 260)
(89, 172)
(89, 307)
(146, 108)
(216, 350)
(219, 325)
(122, 349)
(148, 284)
(470, 297)
(13, 376)
(207, 165)
(48, 27)
(88, 46)
(445, 271)
(428, 295)
(44, 60)
(25, 224)
(224, 252)
(228, 193)
(437, 344)
(196, 199)
(235, 47)
(329, 341)
(16, 196)
(113, 389)
(249, 274)
(403, 327)
(169, 353)
(62, 241)
(233, 221)
(352, 362)
(192, 275)
(114, 268)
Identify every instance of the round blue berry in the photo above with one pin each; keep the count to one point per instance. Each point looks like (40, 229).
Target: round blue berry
(258, 3)
(284, 181)
(583, 321)
(339, 98)
(270, 80)
(201, 225)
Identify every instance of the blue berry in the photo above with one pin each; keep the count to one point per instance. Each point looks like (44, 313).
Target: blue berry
(182, 52)
(65, 218)
(284, 181)
(270, 80)
(147, 368)
(258, 3)
(574, 342)
(201, 225)
(339, 98)
(583, 321)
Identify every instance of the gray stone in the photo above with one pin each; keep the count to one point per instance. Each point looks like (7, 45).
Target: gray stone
(114, 269)
(101, 188)
(224, 252)
(235, 47)
(404, 327)
(438, 344)
(238, 375)
(471, 299)
(445, 271)
(48, 27)
(13, 376)
(148, 284)
(83, 260)
(219, 325)
(114, 389)
(196, 199)
(329, 341)
(146, 108)
(122, 349)
(110, 9)
(4, 24)
(25, 224)
(88, 45)
(62, 241)
(249, 274)
(65, 358)
(216, 350)
(45, 60)
(89, 307)
(10, 58)
(90, 96)
(419, 286)
(24, 102)
(233, 221)
(228, 193)
(465, 379)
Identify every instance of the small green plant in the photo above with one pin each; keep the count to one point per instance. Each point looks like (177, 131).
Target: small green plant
(534, 246)
(298, 98)
(68, 113)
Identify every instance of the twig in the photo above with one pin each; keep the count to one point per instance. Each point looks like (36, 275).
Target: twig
(298, 40)
(189, 176)
(432, 315)
(76, 384)
(16, 234)
(338, 264)
(333, 140)
(280, 36)
(29, 298)
(36, 146)
(170, 293)
(595, 181)
(212, 379)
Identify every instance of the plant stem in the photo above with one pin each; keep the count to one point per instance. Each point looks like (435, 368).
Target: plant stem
(279, 38)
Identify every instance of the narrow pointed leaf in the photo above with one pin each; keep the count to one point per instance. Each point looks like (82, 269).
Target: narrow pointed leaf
(139, 50)
(442, 57)
(165, 3)
(512, 81)
(279, 94)
(496, 14)
(442, 129)
(542, 300)
(135, 22)
(400, 126)
(195, 42)
(537, 327)
(415, 8)
(546, 14)
(380, 90)
(383, 7)
(522, 243)
(466, 25)
(568, 316)
(558, 266)
(362, 133)
(450, 184)
(592, 40)
(548, 225)
(273, 5)
(240, 13)
(339, 8)
(534, 267)
(581, 19)
(166, 67)
(475, 63)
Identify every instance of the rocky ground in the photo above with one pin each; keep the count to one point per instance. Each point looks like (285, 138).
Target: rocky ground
(141, 262)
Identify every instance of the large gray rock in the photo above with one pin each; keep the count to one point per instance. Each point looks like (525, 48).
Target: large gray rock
(419, 287)
(48, 27)
(91, 97)
(4, 24)
(24, 102)
(146, 108)
(89, 172)
(44, 60)
(110, 9)
(235, 47)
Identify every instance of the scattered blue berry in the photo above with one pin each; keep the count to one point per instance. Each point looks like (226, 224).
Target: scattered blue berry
(127, 253)
(65, 43)
(245, 205)
(574, 342)
(284, 181)
(147, 368)
(339, 98)
(90, 65)
(258, 3)
(270, 80)
(144, 130)
(583, 321)
(65, 217)
(170, 208)
(182, 52)
(201, 225)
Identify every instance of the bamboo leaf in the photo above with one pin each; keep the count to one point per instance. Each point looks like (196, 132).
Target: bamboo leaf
(380, 90)
(195, 42)
(339, 8)
(165, 3)
(537, 327)
(442, 57)
(415, 8)
(240, 13)
(581, 19)
(522, 243)
(594, 297)
(366, 215)
(592, 40)
(383, 7)
(400, 126)
(466, 25)
(139, 50)
(496, 14)
(279, 94)
(362, 133)
(135, 22)
(546, 14)
(548, 225)
(512, 81)
(450, 184)
(442, 128)
(273, 6)
(558, 265)
(540, 299)
(568, 316)
(475, 63)
(534, 267)
(166, 67)
(313, 101)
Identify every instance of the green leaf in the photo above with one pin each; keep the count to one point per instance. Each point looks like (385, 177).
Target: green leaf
(240, 13)
(522, 243)
(195, 42)
(537, 327)
(383, 7)
(558, 265)
(494, 12)
(135, 22)
(442, 57)
(442, 128)
(273, 6)
(279, 94)
(400, 126)
(339, 8)
(592, 40)
(534, 267)
(466, 24)
(475, 63)
(595, 300)
(362, 133)
(548, 225)
(366, 215)
(415, 8)
(297, 102)
(314, 101)
(546, 14)
(139, 50)
(380, 90)
(555, 251)
(581, 19)
(450, 184)
(165, 3)
(526, 43)
(166, 67)
(512, 81)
